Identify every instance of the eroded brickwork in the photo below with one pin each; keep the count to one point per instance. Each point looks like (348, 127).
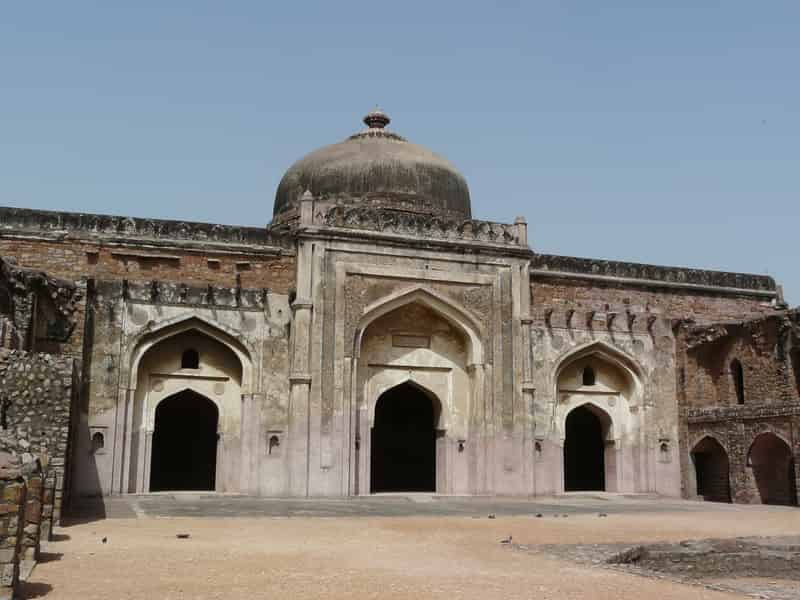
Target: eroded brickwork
(758, 425)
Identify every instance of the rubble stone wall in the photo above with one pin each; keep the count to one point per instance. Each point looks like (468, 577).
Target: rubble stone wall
(37, 392)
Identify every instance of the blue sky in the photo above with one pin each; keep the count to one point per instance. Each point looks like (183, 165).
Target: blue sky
(661, 132)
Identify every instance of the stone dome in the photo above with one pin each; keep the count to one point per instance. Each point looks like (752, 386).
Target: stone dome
(377, 167)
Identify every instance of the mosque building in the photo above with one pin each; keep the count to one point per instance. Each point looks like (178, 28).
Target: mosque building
(377, 337)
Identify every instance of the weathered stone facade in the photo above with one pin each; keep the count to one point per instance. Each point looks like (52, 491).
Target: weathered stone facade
(277, 354)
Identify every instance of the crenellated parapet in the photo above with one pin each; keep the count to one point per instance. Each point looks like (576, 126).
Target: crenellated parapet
(549, 265)
(414, 225)
(110, 228)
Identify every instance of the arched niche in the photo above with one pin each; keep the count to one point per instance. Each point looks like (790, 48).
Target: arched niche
(602, 381)
(403, 440)
(184, 447)
(772, 470)
(159, 372)
(421, 339)
(711, 469)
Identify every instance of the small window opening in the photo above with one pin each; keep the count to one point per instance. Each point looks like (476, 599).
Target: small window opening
(98, 442)
(190, 359)
(589, 376)
(738, 380)
(274, 442)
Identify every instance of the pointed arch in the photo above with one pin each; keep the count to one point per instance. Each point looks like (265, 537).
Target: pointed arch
(712, 469)
(773, 469)
(438, 407)
(448, 308)
(606, 351)
(153, 335)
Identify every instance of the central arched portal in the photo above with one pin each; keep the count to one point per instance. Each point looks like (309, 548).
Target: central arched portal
(403, 444)
(184, 455)
(584, 452)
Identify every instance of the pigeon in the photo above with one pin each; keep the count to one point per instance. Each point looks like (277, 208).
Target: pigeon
(506, 541)
(491, 516)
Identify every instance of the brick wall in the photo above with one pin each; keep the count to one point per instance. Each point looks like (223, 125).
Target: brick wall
(79, 259)
(703, 307)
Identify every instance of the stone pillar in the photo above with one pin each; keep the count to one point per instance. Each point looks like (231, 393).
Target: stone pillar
(29, 552)
(300, 376)
(48, 502)
(12, 523)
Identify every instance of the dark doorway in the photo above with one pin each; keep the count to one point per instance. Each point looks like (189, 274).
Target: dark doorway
(184, 451)
(712, 470)
(584, 452)
(403, 451)
(773, 470)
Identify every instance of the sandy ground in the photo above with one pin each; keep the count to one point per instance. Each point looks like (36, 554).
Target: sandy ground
(386, 557)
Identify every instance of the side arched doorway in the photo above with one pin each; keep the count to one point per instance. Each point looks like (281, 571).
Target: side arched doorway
(772, 464)
(584, 451)
(403, 441)
(184, 449)
(712, 470)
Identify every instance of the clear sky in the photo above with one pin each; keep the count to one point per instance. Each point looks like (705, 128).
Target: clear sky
(663, 132)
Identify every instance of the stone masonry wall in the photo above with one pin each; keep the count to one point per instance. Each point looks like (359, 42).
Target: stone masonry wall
(20, 520)
(37, 395)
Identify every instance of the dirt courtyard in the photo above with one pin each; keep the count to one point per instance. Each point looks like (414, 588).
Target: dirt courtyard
(383, 557)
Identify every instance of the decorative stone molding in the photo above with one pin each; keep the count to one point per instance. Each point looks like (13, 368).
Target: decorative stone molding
(129, 228)
(422, 225)
(553, 265)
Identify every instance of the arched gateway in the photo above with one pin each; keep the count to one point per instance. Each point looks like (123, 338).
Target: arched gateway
(404, 440)
(417, 383)
(184, 450)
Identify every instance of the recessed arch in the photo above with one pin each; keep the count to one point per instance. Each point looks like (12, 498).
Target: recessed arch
(184, 446)
(605, 351)
(773, 469)
(439, 412)
(159, 371)
(712, 469)
(403, 440)
(587, 464)
(151, 336)
(450, 310)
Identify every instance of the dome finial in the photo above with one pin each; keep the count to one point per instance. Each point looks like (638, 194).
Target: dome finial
(377, 119)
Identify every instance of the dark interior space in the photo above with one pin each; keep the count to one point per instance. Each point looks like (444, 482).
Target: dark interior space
(184, 455)
(795, 356)
(712, 471)
(737, 372)
(404, 442)
(773, 470)
(584, 452)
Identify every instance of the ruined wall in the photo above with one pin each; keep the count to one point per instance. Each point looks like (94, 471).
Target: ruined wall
(760, 435)
(21, 525)
(37, 398)
(75, 246)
